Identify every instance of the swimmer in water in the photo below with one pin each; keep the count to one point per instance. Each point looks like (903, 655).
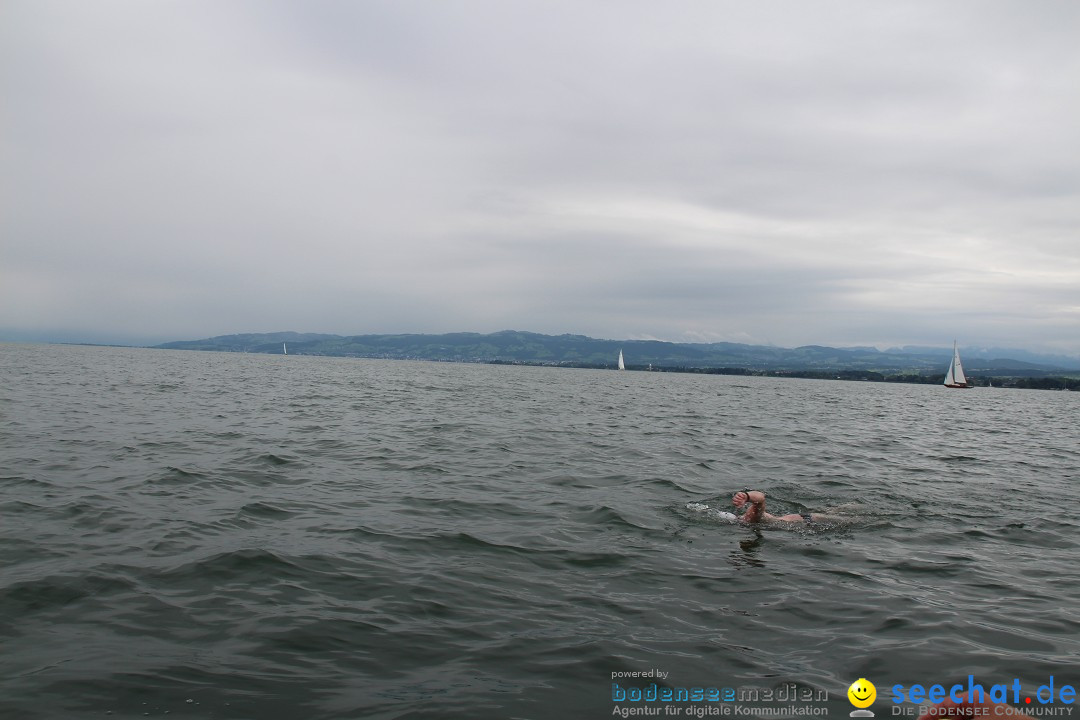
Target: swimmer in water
(754, 502)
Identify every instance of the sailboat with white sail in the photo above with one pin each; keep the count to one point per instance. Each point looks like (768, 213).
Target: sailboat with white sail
(284, 349)
(622, 365)
(955, 378)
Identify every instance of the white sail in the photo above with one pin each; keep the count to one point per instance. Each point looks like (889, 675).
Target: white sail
(284, 349)
(958, 369)
(622, 365)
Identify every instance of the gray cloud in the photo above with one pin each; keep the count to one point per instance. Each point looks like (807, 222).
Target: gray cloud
(787, 172)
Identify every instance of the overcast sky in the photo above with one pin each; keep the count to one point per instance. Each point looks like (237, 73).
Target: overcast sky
(788, 172)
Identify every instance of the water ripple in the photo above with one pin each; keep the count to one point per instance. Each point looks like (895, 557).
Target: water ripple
(215, 535)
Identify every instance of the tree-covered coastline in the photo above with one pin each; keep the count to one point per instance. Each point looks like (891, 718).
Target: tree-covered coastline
(910, 365)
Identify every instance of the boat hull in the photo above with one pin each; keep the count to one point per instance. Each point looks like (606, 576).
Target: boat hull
(964, 387)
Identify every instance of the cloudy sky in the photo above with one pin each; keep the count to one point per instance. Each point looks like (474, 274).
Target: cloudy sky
(768, 171)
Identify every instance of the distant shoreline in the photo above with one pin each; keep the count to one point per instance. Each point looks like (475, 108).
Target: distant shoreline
(1067, 381)
(582, 351)
(991, 382)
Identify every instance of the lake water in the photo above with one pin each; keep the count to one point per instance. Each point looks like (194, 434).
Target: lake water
(199, 535)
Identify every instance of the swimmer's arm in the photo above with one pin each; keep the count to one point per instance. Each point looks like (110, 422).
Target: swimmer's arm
(755, 497)
(756, 500)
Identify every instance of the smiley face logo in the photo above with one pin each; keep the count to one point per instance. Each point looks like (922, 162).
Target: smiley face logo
(862, 693)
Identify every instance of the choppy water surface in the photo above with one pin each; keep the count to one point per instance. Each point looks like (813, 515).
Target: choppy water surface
(242, 536)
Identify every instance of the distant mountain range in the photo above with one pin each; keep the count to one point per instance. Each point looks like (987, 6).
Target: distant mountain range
(512, 346)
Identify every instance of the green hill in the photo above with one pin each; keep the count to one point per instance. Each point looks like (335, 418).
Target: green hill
(510, 346)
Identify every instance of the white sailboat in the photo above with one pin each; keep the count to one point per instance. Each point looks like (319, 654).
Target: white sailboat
(955, 378)
(284, 349)
(622, 365)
